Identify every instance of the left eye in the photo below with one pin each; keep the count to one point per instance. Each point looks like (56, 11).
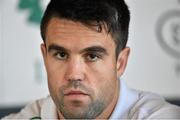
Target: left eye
(61, 55)
(92, 57)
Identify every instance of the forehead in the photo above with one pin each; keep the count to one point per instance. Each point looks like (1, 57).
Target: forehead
(66, 31)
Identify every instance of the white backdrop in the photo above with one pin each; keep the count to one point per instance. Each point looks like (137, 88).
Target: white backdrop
(150, 68)
(22, 73)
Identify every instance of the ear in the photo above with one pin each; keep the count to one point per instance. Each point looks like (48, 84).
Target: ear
(44, 52)
(122, 61)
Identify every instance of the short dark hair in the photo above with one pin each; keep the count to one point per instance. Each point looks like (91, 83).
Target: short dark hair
(111, 13)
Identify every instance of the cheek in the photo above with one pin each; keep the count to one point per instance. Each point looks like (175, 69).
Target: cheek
(55, 76)
(104, 80)
(55, 81)
(54, 69)
(104, 71)
(105, 88)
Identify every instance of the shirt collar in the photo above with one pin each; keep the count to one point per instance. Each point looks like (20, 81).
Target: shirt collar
(48, 110)
(127, 98)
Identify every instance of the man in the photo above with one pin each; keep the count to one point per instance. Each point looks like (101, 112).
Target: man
(85, 54)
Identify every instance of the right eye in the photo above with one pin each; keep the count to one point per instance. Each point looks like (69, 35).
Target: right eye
(61, 55)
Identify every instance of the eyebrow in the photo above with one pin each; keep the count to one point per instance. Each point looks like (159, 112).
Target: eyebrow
(88, 49)
(95, 49)
(56, 47)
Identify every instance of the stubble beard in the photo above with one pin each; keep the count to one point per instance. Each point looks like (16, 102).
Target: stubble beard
(92, 111)
(89, 111)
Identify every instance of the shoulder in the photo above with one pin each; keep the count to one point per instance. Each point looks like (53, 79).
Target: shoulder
(31, 110)
(153, 106)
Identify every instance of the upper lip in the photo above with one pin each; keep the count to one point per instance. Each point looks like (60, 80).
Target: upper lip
(73, 92)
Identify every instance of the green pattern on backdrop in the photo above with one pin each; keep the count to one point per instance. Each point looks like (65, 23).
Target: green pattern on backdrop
(34, 8)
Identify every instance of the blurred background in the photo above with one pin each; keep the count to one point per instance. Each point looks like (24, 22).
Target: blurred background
(154, 39)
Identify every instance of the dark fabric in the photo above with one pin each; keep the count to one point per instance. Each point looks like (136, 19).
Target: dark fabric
(6, 111)
(174, 101)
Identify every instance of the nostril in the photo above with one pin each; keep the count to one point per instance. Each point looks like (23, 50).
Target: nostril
(76, 84)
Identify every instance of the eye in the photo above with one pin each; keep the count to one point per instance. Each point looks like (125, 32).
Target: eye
(92, 57)
(61, 55)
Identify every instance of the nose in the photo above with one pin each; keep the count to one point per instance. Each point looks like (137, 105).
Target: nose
(75, 70)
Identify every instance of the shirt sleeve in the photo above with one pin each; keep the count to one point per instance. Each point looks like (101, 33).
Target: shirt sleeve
(168, 111)
(152, 106)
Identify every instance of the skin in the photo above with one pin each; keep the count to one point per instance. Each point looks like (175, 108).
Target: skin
(82, 69)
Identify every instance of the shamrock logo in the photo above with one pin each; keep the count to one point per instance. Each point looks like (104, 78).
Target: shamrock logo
(34, 8)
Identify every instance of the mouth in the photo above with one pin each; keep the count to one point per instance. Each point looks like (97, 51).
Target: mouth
(74, 98)
(75, 93)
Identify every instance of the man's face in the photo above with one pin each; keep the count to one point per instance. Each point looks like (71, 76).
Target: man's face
(82, 69)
